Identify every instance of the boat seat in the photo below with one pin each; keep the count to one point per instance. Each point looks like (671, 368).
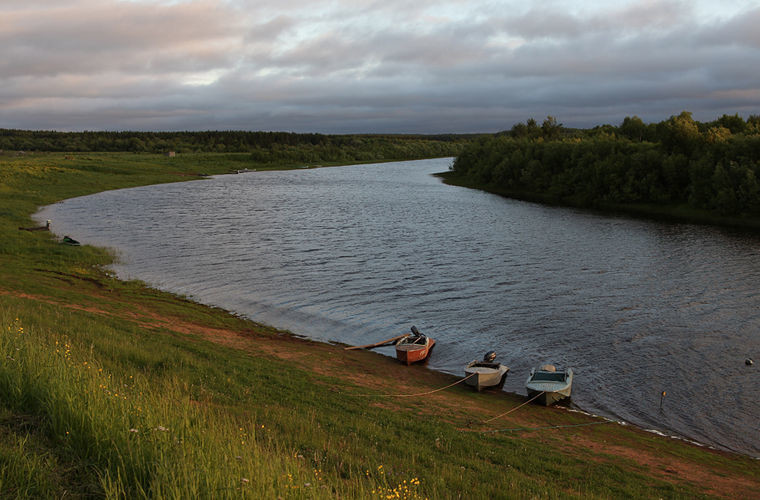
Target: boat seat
(550, 377)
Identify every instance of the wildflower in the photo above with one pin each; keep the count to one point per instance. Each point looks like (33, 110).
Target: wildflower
(161, 428)
(244, 481)
(133, 430)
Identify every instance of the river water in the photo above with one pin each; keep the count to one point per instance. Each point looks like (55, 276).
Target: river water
(359, 254)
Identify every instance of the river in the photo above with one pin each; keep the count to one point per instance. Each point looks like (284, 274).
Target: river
(358, 254)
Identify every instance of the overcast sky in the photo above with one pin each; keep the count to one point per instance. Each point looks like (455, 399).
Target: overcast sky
(343, 66)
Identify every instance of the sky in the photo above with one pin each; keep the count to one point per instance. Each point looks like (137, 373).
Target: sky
(372, 66)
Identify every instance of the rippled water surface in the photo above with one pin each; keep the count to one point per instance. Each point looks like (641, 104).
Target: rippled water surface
(358, 254)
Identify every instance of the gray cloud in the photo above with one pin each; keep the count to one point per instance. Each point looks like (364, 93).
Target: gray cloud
(369, 66)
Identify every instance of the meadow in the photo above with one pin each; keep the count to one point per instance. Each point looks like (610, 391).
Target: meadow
(112, 389)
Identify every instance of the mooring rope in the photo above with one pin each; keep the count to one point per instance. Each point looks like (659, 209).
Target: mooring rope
(538, 428)
(418, 394)
(513, 409)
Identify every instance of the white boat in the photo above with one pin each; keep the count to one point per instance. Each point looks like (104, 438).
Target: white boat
(548, 385)
(486, 373)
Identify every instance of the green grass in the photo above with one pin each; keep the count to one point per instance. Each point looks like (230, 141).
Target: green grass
(103, 395)
(162, 416)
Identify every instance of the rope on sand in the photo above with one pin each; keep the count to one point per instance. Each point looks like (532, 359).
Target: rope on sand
(513, 409)
(418, 394)
(538, 428)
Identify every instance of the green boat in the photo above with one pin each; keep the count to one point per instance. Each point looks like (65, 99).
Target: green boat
(547, 385)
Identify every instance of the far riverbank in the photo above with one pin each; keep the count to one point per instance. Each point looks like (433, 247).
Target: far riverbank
(672, 213)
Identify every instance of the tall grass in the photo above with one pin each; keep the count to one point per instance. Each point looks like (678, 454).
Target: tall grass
(143, 422)
(139, 440)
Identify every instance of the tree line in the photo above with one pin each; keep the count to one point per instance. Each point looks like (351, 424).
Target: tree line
(711, 166)
(263, 146)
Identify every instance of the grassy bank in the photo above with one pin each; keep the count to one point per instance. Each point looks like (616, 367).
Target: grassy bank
(113, 389)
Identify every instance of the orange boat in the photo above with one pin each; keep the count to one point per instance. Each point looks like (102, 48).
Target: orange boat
(414, 348)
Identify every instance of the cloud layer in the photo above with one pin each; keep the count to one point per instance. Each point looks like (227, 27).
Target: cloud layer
(371, 65)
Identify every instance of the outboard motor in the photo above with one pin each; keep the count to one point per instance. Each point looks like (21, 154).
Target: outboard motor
(489, 356)
(415, 331)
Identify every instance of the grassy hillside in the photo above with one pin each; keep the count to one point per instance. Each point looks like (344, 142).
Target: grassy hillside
(113, 389)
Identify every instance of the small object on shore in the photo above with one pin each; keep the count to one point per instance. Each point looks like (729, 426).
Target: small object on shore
(70, 241)
(414, 348)
(548, 385)
(486, 373)
(46, 227)
(749, 362)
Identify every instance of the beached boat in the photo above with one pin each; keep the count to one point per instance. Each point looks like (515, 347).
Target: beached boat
(548, 385)
(46, 227)
(414, 348)
(486, 373)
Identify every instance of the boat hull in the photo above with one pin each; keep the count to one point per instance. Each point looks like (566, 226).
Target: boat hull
(549, 387)
(414, 353)
(482, 377)
(547, 398)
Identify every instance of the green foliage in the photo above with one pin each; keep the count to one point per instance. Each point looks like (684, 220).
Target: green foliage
(264, 147)
(710, 167)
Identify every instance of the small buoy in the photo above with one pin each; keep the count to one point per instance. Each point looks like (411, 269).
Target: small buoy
(749, 362)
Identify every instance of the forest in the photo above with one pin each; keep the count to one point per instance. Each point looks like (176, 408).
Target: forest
(264, 147)
(711, 167)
